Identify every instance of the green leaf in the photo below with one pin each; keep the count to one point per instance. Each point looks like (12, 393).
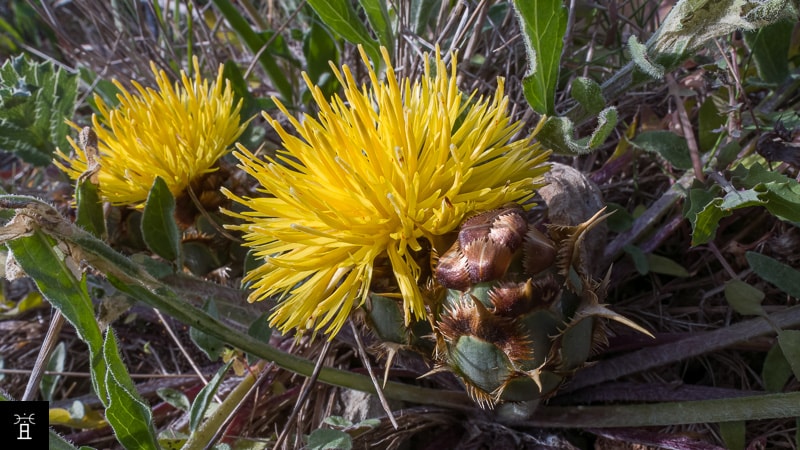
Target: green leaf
(709, 123)
(327, 439)
(378, 17)
(159, 230)
(588, 93)
(210, 345)
(557, 133)
(173, 397)
(789, 340)
(543, 24)
(744, 298)
(638, 52)
(56, 442)
(320, 48)
(255, 42)
(260, 330)
(776, 370)
(205, 396)
(343, 19)
(668, 145)
(421, 13)
(48, 269)
(56, 364)
(733, 434)
(665, 266)
(338, 422)
(769, 47)
(620, 219)
(782, 276)
(126, 412)
(639, 259)
(89, 209)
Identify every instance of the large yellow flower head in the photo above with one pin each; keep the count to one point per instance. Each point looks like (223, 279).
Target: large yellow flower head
(176, 132)
(370, 178)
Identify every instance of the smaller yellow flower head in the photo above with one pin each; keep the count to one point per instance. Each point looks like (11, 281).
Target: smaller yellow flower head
(372, 177)
(176, 132)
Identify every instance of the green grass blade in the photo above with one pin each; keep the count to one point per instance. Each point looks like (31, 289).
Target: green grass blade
(37, 256)
(255, 42)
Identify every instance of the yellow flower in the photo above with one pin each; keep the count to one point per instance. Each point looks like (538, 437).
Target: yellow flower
(372, 177)
(175, 132)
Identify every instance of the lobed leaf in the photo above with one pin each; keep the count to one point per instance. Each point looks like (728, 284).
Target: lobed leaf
(34, 100)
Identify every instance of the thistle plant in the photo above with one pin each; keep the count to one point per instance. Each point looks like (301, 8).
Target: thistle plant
(371, 186)
(176, 132)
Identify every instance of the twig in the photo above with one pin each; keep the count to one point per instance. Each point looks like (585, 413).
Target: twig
(362, 353)
(307, 386)
(686, 127)
(49, 343)
(699, 344)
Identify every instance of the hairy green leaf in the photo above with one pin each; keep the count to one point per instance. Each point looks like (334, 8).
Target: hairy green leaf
(782, 276)
(127, 412)
(327, 439)
(89, 210)
(37, 256)
(665, 266)
(789, 340)
(210, 345)
(744, 298)
(668, 145)
(769, 47)
(543, 24)
(557, 133)
(378, 17)
(733, 434)
(710, 121)
(343, 19)
(776, 371)
(159, 230)
(56, 364)
(588, 93)
(642, 60)
(205, 396)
